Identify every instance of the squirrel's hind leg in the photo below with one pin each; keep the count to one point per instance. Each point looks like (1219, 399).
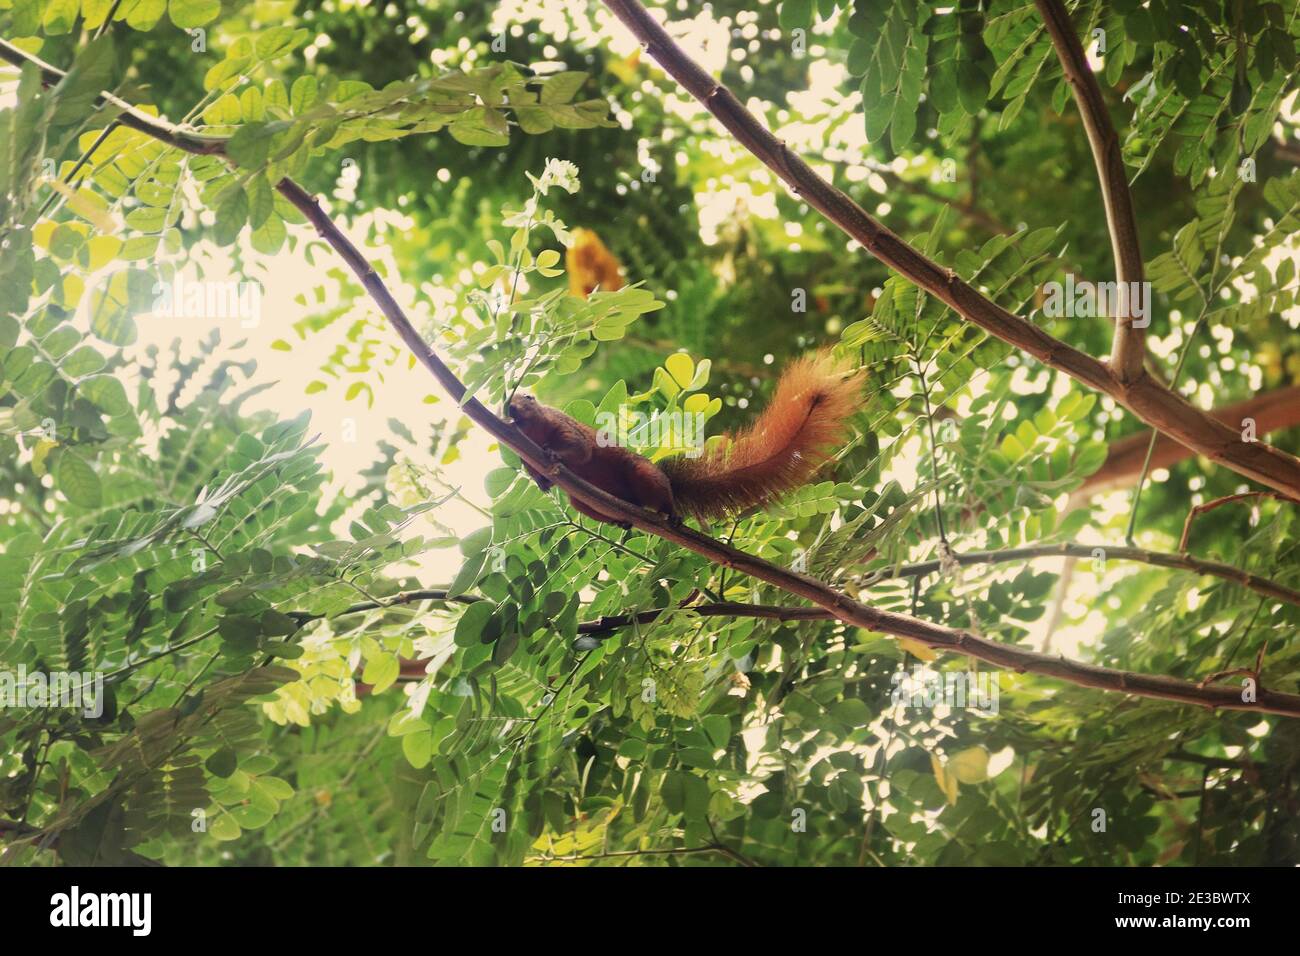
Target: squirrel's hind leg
(651, 489)
(542, 481)
(591, 512)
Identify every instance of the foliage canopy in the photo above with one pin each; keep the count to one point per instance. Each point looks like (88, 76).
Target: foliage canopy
(161, 529)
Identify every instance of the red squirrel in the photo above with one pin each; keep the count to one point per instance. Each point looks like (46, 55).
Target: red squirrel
(798, 432)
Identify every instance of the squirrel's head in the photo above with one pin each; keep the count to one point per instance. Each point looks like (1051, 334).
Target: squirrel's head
(523, 408)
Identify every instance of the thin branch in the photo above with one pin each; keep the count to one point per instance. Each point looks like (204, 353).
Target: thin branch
(1143, 395)
(1218, 763)
(1128, 349)
(1151, 445)
(930, 276)
(608, 623)
(137, 120)
(1163, 559)
(1226, 499)
(397, 600)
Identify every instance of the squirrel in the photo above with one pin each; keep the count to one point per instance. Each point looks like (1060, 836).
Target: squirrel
(797, 433)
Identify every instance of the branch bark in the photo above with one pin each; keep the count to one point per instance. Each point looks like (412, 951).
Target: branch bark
(1146, 398)
(840, 605)
(1271, 412)
(1128, 349)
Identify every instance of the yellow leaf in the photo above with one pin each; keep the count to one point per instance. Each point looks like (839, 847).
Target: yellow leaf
(946, 781)
(86, 204)
(696, 404)
(71, 290)
(42, 232)
(680, 367)
(39, 454)
(970, 766)
(103, 250)
(917, 649)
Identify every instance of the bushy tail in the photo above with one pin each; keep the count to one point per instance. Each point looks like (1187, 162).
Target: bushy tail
(798, 432)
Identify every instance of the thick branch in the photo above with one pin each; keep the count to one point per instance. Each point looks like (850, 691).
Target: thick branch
(839, 605)
(1271, 412)
(1129, 347)
(1146, 398)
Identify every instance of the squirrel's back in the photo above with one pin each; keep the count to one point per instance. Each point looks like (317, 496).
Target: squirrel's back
(798, 432)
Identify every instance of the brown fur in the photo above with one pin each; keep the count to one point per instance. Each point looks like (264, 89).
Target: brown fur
(795, 435)
(799, 431)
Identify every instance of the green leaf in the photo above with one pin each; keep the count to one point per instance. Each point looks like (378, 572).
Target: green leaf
(115, 300)
(794, 14)
(223, 762)
(277, 41)
(261, 201)
(851, 711)
(470, 627)
(251, 144)
(78, 481)
(107, 392)
(381, 671)
(193, 13)
(225, 828)
(473, 131)
(143, 14)
(302, 94)
(60, 15)
(561, 87)
(232, 215)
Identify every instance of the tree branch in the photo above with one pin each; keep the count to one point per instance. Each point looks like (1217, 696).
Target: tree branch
(1164, 559)
(1271, 412)
(608, 623)
(136, 119)
(840, 605)
(1146, 398)
(1217, 502)
(1128, 349)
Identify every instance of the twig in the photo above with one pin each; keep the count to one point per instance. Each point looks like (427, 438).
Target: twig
(1211, 505)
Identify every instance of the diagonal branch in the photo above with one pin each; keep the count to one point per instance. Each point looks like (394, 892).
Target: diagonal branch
(1145, 397)
(1129, 347)
(1271, 411)
(840, 606)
